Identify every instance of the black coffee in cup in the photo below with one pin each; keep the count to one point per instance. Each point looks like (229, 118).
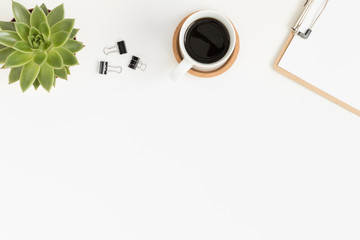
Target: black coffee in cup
(207, 40)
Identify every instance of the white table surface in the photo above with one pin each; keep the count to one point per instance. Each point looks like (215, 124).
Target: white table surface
(248, 155)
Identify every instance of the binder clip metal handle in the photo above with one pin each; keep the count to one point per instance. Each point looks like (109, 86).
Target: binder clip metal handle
(105, 68)
(136, 63)
(304, 14)
(120, 48)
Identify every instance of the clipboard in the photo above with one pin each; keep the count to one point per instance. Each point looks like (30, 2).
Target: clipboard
(305, 35)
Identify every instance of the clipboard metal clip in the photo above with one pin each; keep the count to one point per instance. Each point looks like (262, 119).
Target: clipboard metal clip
(304, 14)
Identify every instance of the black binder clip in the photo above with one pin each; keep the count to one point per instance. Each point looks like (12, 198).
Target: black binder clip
(120, 48)
(105, 68)
(136, 63)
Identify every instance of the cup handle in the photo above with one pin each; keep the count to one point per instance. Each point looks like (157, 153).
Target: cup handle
(181, 70)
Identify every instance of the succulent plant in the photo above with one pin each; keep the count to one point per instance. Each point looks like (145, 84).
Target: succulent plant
(39, 46)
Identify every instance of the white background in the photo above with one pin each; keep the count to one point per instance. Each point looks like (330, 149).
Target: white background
(248, 155)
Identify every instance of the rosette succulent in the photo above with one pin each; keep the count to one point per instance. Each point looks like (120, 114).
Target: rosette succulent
(38, 46)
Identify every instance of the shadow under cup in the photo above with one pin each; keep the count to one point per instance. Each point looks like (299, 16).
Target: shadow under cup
(207, 40)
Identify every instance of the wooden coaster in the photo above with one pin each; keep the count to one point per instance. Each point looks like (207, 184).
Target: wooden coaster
(224, 68)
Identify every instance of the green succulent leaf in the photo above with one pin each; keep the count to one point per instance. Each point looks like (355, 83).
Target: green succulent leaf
(23, 47)
(45, 30)
(44, 8)
(59, 38)
(34, 32)
(68, 57)
(28, 75)
(40, 58)
(54, 59)
(22, 30)
(30, 40)
(21, 13)
(74, 33)
(48, 45)
(4, 53)
(67, 70)
(73, 46)
(7, 26)
(17, 59)
(14, 75)
(9, 38)
(56, 15)
(37, 17)
(66, 25)
(46, 77)
(61, 73)
(42, 46)
(36, 84)
(2, 47)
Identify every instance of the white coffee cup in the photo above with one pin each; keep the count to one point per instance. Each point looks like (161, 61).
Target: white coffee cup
(188, 62)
